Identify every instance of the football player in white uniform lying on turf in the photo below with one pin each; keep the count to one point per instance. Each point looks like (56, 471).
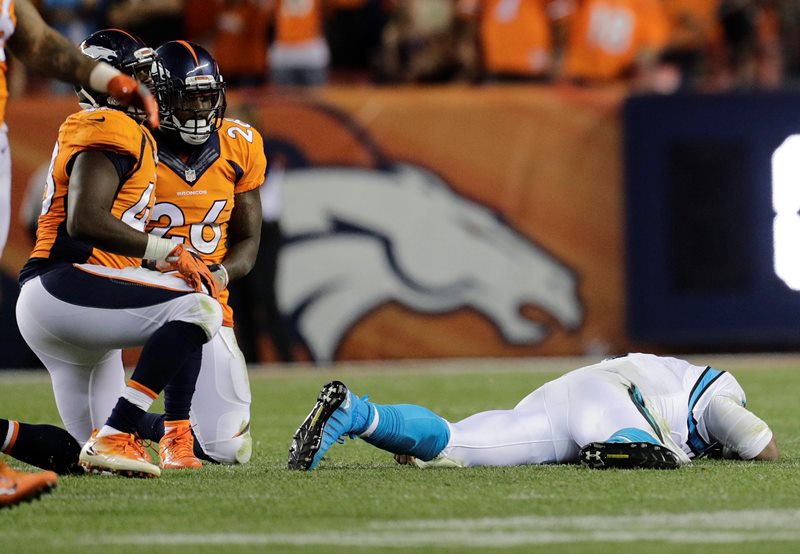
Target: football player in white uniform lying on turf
(634, 411)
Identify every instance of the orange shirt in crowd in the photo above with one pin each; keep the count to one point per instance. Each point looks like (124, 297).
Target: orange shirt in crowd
(694, 23)
(607, 37)
(515, 35)
(240, 38)
(298, 21)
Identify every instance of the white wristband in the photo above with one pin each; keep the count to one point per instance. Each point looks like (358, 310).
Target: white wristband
(100, 76)
(157, 248)
(221, 275)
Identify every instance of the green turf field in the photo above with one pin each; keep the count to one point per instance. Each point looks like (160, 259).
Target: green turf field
(359, 500)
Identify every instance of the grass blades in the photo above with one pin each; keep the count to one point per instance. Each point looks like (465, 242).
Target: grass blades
(360, 500)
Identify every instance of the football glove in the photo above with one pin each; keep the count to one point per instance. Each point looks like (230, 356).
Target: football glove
(124, 89)
(129, 92)
(191, 267)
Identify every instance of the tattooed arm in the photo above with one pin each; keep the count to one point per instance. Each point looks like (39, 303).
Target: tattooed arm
(45, 50)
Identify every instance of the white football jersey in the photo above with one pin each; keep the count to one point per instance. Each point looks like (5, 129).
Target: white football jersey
(679, 392)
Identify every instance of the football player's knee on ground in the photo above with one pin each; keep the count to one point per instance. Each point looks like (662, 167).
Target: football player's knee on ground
(236, 450)
(201, 310)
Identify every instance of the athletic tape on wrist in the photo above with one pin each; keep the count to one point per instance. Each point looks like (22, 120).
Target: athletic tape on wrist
(157, 248)
(101, 75)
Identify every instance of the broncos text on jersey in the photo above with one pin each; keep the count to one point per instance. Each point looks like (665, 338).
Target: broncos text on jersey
(195, 196)
(102, 130)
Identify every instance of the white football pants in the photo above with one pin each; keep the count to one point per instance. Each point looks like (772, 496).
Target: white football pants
(80, 342)
(550, 425)
(220, 411)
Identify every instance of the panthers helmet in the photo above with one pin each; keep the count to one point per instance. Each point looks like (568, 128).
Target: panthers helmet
(125, 52)
(190, 91)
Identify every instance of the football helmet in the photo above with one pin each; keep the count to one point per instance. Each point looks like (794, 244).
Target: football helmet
(125, 52)
(190, 91)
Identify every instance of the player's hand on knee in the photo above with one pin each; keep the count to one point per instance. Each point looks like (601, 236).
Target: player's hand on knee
(191, 267)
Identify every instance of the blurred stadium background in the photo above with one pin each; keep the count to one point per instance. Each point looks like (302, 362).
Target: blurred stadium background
(432, 196)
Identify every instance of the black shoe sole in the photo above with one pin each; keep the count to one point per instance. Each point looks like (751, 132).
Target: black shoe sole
(627, 455)
(308, 437)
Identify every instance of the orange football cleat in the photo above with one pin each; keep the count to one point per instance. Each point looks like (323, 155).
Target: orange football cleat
(19, 486)
(121, 453)
(176, 449)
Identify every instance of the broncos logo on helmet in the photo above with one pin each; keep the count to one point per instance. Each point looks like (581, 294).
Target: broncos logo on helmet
(124, 51)
(190, 91)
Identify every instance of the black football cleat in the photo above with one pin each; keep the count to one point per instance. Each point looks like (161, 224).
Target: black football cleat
(628, 455)
(329, 419)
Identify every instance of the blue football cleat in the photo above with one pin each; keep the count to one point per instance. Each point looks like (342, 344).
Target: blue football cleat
(330, 418)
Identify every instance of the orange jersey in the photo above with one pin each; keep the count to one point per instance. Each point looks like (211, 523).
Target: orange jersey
(8, 22)
(298, 21)
(195, 198)
(607, 36)
(103, 129)
(515, 35)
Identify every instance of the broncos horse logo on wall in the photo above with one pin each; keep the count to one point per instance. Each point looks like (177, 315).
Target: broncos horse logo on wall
(358, 238)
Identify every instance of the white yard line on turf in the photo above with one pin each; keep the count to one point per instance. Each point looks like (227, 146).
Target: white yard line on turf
(723, 527)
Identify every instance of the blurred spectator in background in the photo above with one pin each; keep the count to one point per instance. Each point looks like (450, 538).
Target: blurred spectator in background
(501, 40)
(75, 19)
(239, 40)
(696, 48)
(789, 14)
(299, 54)
(751, 30)
(618, 41)
(418, 42)
(355, 35)
(154, 21)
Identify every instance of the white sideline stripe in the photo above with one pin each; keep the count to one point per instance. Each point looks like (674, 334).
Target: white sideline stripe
(723, 527)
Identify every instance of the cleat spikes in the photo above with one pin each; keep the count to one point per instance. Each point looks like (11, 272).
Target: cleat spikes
(308, 438)
(627, 455)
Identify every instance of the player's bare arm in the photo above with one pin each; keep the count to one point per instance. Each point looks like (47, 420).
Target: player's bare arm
(244, 232)
(43, 49)
(93, 185)
(770, 452)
